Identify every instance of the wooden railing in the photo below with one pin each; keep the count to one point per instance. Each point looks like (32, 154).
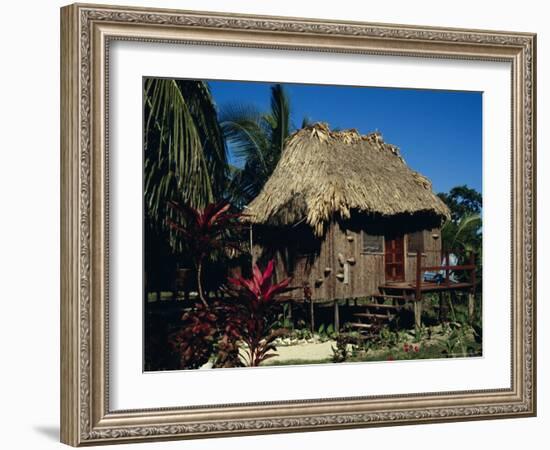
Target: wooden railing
(447, 268)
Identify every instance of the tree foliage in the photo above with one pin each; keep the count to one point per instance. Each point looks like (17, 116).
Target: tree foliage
(258, 140)
(463, 233)
(462, 201)
(184, 151)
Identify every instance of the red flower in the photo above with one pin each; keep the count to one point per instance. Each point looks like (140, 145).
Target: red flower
(391, 358)
(416, 348)
(406, 347)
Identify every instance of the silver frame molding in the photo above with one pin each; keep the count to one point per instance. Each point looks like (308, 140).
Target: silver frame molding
(86, 31)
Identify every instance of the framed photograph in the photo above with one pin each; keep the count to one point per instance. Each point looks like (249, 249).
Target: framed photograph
(278, 224)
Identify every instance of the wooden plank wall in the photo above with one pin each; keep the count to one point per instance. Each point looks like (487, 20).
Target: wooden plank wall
(430, 257)
(366, 271)
(366, 274)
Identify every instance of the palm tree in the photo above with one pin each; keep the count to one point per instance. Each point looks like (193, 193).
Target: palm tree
(258, 140)
(185, 154)
(184, 161)
(463, 234)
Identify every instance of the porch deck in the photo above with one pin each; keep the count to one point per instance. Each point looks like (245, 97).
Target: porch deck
(425, 286)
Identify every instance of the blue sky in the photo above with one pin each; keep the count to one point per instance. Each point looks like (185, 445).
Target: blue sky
(439, 133)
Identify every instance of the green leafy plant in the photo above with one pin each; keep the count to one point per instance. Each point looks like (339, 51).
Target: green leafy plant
(302, 333)
(322, 333)
(346, 344)
(455, 344)
(422, 333)
(283, 321)
(388, 337)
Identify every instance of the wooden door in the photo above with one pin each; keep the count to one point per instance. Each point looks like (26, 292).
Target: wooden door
(394, 258)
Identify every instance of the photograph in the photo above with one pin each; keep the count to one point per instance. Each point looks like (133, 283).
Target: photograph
(292, 224)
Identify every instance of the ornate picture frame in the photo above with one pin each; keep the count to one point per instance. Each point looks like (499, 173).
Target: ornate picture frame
(86, 34)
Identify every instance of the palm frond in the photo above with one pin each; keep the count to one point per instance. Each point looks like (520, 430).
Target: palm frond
(280, 113)
(464, 233)
(257, 140)
(244, 128)
(185, 154)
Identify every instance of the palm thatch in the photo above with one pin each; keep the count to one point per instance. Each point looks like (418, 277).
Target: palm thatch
(324, 175)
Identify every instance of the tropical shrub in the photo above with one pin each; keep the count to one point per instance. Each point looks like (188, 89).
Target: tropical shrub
(257, 306)
(208, 333)
(342, 352)
(206, 232)
(229, 335)
(196, 339)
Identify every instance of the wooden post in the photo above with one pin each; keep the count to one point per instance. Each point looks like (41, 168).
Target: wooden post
(418, 293)
(473, 276)
(252, 256)
(447, 263)
(290, 310)
(417, 314)
(443, 307)
(471, 306)
(336, 316)
(472, 293)
(312, 315)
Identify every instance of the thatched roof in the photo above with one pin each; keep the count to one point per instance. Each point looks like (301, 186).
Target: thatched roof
(325, 174)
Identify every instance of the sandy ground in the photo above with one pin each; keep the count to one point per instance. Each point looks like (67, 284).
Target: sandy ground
(308, 351)
(305, 352)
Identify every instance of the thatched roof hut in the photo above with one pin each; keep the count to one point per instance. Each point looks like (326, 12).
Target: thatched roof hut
(343, 214)
(324, 175)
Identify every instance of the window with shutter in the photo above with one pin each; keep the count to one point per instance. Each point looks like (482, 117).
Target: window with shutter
(416, 242)
(372, 243)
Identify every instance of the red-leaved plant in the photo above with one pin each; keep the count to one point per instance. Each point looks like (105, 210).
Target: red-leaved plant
(208, 331)
(257, 298)
(205, 231)
(214, 331)
(196, 339)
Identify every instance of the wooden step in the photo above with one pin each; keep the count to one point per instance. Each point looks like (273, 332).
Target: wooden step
(373, 316)
(399, 297)
(361, 325)
(381, 306)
